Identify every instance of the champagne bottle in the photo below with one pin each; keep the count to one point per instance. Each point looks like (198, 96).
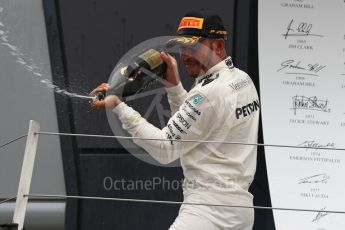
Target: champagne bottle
(142, 72)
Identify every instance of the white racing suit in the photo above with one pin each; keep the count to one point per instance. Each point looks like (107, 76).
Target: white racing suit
(222, 107)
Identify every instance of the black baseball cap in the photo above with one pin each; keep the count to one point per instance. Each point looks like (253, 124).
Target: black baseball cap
(199, 24)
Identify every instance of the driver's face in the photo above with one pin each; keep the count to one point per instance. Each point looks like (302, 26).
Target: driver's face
(196, 58)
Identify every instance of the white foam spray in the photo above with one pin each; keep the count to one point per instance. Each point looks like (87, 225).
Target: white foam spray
(29, 64)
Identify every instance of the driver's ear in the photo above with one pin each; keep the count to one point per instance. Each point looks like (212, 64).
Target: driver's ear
(220, 44)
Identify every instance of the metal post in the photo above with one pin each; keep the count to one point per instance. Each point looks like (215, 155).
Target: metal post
(26, 174)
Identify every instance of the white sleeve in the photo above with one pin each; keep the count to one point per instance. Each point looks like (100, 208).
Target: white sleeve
(195, 120)
(176, 96)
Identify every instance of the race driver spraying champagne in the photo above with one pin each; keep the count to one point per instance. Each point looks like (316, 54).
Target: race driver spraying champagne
(223, 106)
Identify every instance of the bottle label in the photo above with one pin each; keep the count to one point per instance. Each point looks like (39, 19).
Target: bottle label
(152, 57)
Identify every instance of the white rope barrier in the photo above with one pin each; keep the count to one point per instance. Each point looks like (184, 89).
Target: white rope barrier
(176, 203)
(8, 199)
(198, 141)
(13, 140)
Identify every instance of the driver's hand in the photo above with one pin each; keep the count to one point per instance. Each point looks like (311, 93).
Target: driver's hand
(109, 101)
(172, 76)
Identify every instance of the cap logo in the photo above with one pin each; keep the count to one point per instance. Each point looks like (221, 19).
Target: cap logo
(184, 40)
(222, 32)
(191, 22)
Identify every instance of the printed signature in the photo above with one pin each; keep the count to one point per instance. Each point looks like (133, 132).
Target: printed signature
(315, 179)
(310, 69)
(309, 103)
(320, 215)
(303, 29)
(314, 144)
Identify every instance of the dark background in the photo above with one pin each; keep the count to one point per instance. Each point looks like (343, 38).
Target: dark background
(86, 40)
